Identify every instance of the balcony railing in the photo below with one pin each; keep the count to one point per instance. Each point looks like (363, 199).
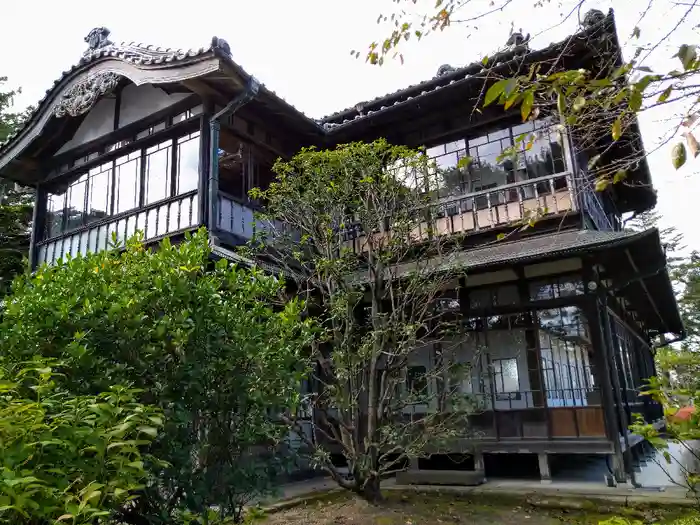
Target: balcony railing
(510, 204)
(239, 219)
(159, 219)
(590, 202)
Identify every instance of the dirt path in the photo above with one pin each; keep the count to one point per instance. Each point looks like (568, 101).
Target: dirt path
(424, 510)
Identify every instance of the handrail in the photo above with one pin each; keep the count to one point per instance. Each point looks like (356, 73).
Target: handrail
(241, 201)
(117, 217)
(504, 187)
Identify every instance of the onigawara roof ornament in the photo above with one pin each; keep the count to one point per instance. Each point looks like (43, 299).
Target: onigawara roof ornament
(444, 70)
(97, 39)
(593, 17)
(517, 39)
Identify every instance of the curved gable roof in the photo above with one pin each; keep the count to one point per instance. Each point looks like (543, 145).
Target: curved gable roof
(99, 71)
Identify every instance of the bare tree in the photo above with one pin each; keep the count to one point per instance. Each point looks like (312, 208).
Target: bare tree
(360, 242)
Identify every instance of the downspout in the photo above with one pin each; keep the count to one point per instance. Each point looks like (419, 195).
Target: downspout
(214, 128)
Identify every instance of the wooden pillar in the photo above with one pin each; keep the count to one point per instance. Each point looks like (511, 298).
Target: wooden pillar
(205, 158)
(603, 375)
(38, 224)
(543, 462)
(613, 364)
(533, 352)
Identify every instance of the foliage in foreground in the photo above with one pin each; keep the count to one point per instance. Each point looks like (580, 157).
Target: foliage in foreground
(65, 457)
(213, 346)
(375, 400)
(15, 203)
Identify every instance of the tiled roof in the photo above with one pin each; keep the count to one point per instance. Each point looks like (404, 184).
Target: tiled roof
(132, 52)
(449, 76)
(556, 244)
(138, 53)
(148, 55)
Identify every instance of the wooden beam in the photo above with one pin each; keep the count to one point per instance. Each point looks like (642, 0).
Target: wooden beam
(203, 89)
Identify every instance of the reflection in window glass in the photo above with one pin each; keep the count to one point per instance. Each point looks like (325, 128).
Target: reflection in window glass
(556, 287)
(537, 152)
(158, 160)
(188, 163)
(100, 191)
(564, 352)
(505, 373)
(54, 213)
(127, 173)
(75, 204)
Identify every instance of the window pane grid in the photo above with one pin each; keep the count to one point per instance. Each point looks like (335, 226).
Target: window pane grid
(116, 186)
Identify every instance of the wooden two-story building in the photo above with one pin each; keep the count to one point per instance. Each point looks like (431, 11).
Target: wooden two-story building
(564, 314)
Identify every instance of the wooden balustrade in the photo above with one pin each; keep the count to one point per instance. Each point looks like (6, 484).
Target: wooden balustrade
(510, 204)
(159, 219)
(239, 219)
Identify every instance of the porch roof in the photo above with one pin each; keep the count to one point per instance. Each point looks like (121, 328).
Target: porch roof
(634, 262)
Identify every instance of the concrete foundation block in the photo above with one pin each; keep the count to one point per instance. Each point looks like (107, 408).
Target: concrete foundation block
(469, 478)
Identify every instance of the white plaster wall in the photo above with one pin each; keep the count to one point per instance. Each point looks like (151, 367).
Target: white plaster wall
(98, 122)
(138, 102)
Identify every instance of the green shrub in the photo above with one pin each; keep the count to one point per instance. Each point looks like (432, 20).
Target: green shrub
(65, 457)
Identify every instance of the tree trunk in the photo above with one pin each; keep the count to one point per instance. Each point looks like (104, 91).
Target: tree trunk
(371, 490)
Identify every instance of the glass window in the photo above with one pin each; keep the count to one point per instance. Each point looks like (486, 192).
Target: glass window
(417, 380)
(188, 163)
(505, 372)
(99, 192)
(75, 204)
(127, 173)
(55, 207)
(158, 162)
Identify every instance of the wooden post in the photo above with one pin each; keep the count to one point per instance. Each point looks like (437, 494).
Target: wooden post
(543, 461)
(38, 224)
(205, 158)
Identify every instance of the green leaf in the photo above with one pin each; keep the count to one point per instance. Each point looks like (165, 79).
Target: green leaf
(579, 103)
(620, 175)
(678, 155)
(635, 103)
(495, 91)
(512, 99)
(526, 106)
(667, 93)
(593, 161)
(464, 162)
(510, 87)
(687, 54)
(561, 103)
(150, 431)
(602, 183)
(617, 128)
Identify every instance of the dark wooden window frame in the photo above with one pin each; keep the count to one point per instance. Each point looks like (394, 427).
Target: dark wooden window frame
(108, 153)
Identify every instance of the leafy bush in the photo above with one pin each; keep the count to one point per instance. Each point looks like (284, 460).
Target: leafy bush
(214, 346)
(65, 457)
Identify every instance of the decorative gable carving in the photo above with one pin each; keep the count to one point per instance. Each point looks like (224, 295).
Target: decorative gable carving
(85, 93)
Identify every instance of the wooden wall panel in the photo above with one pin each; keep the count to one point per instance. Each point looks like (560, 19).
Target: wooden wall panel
(563, 422)
(591, 422)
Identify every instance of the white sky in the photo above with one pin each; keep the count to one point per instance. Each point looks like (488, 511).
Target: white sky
(301, 50)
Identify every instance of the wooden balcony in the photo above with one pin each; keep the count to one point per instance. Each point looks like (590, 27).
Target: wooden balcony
(167, 217)
(507, 205)
(239, 219)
